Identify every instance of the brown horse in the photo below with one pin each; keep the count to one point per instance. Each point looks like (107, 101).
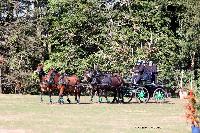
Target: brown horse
(69, 85)
(104, 83)
(48, 82)
(116, 85)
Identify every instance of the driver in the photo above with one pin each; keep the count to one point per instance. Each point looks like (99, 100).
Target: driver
(97, 72)
(147, 72)
(153, 72)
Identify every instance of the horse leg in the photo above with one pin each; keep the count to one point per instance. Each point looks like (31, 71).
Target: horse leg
(60, 99)
(77, 95)
(106, 95)
(50, 100)
(41, 99)
(115, 95)
(118, 92)
(68, 98)
(98, 93)
(92, 92)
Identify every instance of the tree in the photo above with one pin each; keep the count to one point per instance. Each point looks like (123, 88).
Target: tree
(75, 34)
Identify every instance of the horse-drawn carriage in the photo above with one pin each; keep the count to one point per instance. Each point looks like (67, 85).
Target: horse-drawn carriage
(143, 85)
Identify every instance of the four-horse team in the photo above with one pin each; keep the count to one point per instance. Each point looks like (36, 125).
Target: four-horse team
(100, 82)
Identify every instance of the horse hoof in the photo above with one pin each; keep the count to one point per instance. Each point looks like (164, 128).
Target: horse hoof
(91, 101)
(68, 101)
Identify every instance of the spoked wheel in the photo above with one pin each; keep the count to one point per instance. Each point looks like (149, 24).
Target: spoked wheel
(159, 95)
(127, 95)
(142, 95)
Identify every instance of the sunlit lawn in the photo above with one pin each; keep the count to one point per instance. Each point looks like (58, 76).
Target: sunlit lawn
(24, 113)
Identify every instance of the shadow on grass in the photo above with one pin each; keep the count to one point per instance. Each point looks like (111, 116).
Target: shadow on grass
(113, 103)
(56, 103)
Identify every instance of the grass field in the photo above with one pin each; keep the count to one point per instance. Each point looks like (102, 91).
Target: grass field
(24, 114)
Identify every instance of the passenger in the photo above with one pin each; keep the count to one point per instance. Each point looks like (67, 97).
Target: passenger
(147, 72)
(154, 72)
(137, 72)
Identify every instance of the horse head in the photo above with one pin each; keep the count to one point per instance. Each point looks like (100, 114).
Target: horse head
(40, 71)
(88, 75)
(39, 68)
(93, 77)
(52, 76)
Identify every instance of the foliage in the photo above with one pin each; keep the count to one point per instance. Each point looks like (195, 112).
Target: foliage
(73, 35)
(191, 110)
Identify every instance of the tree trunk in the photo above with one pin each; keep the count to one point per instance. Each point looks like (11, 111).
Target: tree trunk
(181, 84)
(49, 48)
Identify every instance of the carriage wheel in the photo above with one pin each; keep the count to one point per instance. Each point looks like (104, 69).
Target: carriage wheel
(142, 95)
(127, 95)
(159, 95)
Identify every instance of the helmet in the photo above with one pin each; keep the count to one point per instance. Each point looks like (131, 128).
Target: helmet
(96, 66)
(143, 62)
(139, 62)
(150, 63)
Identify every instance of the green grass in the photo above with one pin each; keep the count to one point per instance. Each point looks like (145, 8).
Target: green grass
(24, 113)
